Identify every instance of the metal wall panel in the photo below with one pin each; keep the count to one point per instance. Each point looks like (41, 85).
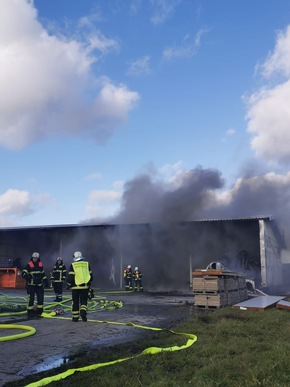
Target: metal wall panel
(271, 265)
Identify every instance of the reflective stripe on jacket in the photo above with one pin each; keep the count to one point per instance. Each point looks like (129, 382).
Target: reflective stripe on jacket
(34, 273)
(58, 273)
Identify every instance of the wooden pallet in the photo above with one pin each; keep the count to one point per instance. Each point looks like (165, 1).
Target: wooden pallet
(216, 300)
(215, 272)
(209, 292)
(207, 307)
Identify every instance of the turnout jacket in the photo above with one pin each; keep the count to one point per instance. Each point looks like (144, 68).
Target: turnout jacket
(58, 273)
(34, 273)
(80, 275)
(137, 275)
(127, 273)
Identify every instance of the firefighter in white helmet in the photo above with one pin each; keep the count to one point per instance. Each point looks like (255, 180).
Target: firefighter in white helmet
(137, 278)
(35, 278)
(79, 280)
(128, 278)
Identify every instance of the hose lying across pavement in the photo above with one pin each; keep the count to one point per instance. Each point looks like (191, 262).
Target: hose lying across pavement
(101, 306)
(29, 331)
(148, 351)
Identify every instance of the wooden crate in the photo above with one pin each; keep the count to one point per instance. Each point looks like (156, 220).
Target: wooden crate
(217, 300)
(218, 288)
(208, 285)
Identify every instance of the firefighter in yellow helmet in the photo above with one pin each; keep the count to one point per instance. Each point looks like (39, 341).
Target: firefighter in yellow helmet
(79, 280)
(137, 278)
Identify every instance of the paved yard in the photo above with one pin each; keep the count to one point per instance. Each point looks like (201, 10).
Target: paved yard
(58, 340)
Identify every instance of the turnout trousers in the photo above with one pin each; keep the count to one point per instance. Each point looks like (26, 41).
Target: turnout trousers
(79, 303)
(33, 290)
(57, 287)
(128, 283)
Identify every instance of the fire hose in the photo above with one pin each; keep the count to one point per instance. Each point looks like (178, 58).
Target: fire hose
(148, 351)
(97, 305)
(29, 331)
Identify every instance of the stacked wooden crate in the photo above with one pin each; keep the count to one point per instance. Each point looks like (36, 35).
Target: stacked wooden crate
(218, 288)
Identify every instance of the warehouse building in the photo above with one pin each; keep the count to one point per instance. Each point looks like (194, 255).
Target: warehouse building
(166, 253)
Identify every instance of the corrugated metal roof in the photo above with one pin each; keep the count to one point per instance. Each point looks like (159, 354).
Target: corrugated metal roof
(268, 217)
(54, 226)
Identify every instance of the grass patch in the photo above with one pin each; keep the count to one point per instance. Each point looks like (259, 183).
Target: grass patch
(234, 349)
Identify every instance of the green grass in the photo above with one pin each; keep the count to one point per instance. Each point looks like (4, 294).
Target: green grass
(234, 348)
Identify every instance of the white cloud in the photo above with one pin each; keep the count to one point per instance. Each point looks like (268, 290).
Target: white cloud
(118, 185)
(279, 60)
(268, 108)
(162, 10)
(187, 48)
(172, 174)
(229, 133)
(15, 202)
(14, 205)
(93, 176)
(199, 35)
(46, 80)
(103, 203)
(140, 66)
(135, 6)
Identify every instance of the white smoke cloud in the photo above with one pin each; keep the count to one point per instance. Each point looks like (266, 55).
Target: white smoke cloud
(46, 80)
(268, 109)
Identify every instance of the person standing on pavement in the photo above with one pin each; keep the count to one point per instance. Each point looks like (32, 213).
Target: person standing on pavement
(58, 277)
(128, 278)
(79, 280)
(35, 278)
(137, 278)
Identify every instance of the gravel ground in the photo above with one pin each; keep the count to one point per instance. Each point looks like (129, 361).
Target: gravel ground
(57, 341)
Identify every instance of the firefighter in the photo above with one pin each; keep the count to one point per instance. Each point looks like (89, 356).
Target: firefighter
(137, 278)
(79, 280)
(128, 278)
(58, 277)
(35, 278)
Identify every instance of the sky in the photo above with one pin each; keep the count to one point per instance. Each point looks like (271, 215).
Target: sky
(144, 110)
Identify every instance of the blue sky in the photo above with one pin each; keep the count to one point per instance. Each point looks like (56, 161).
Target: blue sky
(95, 94)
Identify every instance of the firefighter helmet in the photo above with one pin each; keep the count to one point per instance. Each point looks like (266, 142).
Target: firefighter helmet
(77, 256)
(129, 267)
(59, 259)
(35, 255)
(136, 268)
